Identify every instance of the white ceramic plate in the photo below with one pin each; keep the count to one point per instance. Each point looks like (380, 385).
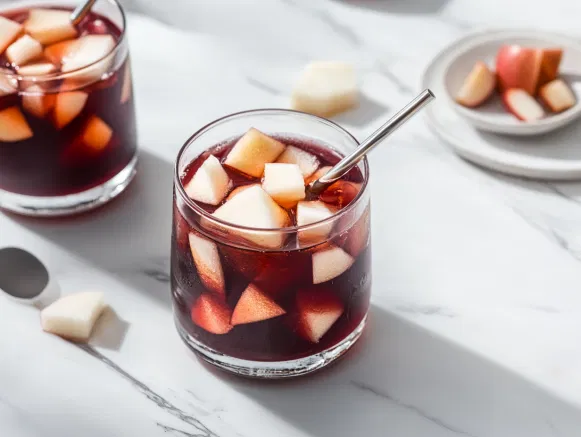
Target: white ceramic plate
(492, 116)
(553, 156)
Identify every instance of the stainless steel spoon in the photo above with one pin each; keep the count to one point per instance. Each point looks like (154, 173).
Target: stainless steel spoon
(81, 11)
(342, 167)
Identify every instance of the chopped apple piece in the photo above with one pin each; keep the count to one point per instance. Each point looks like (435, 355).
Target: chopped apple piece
(550, 62)
(8, 83)
(73, 316)
(330, 263)
(255, 306)
(210, 184)
(557, 95)
(522, 105)
(89, 50)
(37, 102)
(284, 183)
(23, 50)
(97, 134)
(9, 31)
(317, 312)
(126, 87)
(518, 67)
(358, 235)
(325, 89)
(239, 189)
(68, 105)
(49, 25)
(478, 86)
(207, 261)
(318, 174)
(212, 314)
(37, 69)
(58, 53)
(252, 151)
(307, 162)
(13, 125)
(313, 212)
(254, 208)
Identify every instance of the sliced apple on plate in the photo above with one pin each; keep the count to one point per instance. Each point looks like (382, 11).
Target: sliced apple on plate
(477, 87)
(518, 67)
(522, 105)
(557, 96)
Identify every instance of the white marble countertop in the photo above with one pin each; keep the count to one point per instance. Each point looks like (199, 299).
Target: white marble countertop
(476, 319)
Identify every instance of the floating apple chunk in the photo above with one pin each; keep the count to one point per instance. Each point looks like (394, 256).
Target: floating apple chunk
(330, 262)
(73, 316)
(49, 26)
(96, 134)
(13, 125)
(252, 151)
(9, 31)
(284, 183)
(307, 162)
(477, 87)
(212, 314)
(310, 212)
(68, 105)
(207, 261)
(255, 306)
(317, 311)
(557, 95)
(210, 183)
(37, 102)
(23, 50)
(37, 69)
(522, 105)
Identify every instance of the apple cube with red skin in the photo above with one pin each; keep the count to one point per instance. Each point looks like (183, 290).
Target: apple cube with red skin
(210, 183)
(208, 264)
(477, 87)
(49, 26)
(13, 125)
(255, 306)
(318, 309)
(557, 96)
(284, 183)
(522, 105)
(518, 67)
(23, 50)
(9, 31)
(252, 151)
(211, 313)
(307, 162)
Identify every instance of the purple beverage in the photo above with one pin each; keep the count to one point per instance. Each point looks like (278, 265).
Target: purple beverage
(266, 282)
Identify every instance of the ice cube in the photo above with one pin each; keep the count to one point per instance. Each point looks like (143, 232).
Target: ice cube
(36, 102)
(68, 105)
(330, 263)
(126, 87)
(49, 25)
(9, 31)
(73, 316)
(210, 184)
(312, 212)
(90, 49)
(254, 208)
(317, 311)
(255, 306)
(210, 313)
(13, 125)
(96, 134)
(207, 261)
(340, 193)
(318, 174)
(37, 69)
(325, 89)
(307, 162)
(239, 189)
(284, 183)
(252, 151)
(58, 53)
(23, 50)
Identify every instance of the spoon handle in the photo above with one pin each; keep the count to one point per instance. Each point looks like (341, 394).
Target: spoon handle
(372, 141)
(81, 11)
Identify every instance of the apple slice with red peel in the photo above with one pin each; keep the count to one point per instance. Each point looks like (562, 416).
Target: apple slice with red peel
(9, 31)
(309, 212)
(318, 174)
(252, 151)
(37, 69)
(317, 311)
(207, 261)
(284, 183)
(255, 306)
(307, 162)
(329, 263)
(210, 183)
(522, 105)
(477, 87)
(557, 96)
(550, 63)
(67, 106)
(518, 67)
(96, 134)
(13, 125)
(23, 50)
(212, 314)
(49, 25)
(37, 102)
(73, 316)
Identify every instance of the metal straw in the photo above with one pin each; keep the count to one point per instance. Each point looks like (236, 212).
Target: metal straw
(347, 163)
(81, 11)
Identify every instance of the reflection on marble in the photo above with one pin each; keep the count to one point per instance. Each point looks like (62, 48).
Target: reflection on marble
(476, 306)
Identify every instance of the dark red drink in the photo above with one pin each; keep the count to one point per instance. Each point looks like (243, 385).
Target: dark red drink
(67, 118)
(277, 302)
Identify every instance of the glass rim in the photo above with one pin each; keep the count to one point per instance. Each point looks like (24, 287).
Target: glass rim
(60, 74)
(224, 224)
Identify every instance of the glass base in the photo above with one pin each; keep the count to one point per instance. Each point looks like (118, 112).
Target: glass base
(272, 369)
(73, 203)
